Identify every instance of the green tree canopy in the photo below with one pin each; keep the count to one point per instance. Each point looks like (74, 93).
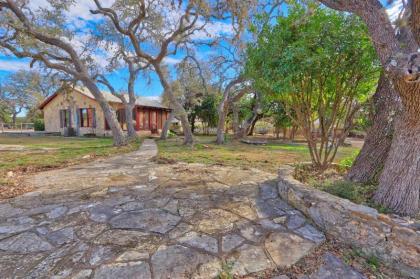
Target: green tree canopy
(321, 65)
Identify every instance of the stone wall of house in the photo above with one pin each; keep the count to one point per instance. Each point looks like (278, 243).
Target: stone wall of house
(395, 241)
(73, 101)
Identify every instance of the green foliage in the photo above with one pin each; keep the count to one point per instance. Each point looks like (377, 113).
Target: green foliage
(356, 256)
(4, 113)
(226, 272)
(363, 119)
(347, 162)
(380, 208)
(39, 125)
(24, 90)
(355, 192)
(280, 117)
(321, 64)
(207, 110)
(171, 134)
(325, 47)
(373, 262)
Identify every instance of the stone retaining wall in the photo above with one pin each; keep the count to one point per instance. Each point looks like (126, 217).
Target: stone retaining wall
(395, 241)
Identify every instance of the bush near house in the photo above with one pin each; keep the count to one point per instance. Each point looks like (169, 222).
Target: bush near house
(39, 125)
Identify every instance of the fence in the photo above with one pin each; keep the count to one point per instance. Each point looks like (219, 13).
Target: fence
(17, 127)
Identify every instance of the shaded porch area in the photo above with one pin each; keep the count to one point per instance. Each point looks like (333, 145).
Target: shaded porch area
(144, 118)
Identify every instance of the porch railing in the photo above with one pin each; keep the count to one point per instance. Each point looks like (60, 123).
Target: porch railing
(16, 127)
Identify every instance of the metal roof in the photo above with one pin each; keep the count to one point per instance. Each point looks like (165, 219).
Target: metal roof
(140, 101)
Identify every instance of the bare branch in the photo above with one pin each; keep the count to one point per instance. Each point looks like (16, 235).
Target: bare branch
(38, 57)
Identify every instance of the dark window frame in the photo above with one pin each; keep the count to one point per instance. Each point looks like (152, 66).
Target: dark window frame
(65, 118)
(87, 115)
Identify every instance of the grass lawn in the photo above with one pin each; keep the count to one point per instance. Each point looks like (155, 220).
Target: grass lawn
(265, 157)
(27, 154)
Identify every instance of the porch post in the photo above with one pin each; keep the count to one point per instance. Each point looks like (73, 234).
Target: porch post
(137, 119)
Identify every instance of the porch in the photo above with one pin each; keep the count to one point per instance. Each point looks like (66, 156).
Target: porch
(144, 118)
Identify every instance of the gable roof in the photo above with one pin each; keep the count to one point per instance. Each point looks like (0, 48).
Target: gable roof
(140, 101)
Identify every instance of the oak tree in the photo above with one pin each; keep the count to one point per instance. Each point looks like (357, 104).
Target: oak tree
(399, 55)
(43, 35)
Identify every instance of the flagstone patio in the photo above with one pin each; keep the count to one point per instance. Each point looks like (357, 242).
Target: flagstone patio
(129, 217)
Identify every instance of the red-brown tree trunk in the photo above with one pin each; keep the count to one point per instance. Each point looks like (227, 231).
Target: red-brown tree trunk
(370, 161)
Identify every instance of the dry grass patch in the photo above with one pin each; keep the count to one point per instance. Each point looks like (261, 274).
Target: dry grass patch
(265, 157)
(21, 155)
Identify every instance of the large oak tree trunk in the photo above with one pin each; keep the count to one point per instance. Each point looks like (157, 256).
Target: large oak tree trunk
(117, 133)
(235, 122)
(14, 116)
(399, 182)
(248, 126)
(398, 53)
(223, 109)
(128, 108)
(165, 129)
(252, 128)
(220, 137)
(188, 135)
(192, 117)
(178, 108)
(370, 161)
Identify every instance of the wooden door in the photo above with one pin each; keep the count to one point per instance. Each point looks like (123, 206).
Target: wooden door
(146, 120)
(153, 120)
(137, 116)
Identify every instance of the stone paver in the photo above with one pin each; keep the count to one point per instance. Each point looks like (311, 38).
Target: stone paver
(286, 249)
(129, 217)
(334, 268)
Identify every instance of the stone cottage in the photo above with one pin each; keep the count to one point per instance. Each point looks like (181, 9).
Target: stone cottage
(74, 111)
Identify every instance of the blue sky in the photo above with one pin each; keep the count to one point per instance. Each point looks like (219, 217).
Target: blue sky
(80, 20)
(80, 15)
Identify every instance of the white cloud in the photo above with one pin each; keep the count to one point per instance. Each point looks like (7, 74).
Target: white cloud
(78, 13)
(13, 66)
(213, 30)
(171, 60)
(153, 98)
(394, 9)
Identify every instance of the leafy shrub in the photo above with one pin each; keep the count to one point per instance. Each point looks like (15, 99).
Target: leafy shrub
(355, 192)
(171, 134)
(332, 181)
(347, 162)
(39, 125)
